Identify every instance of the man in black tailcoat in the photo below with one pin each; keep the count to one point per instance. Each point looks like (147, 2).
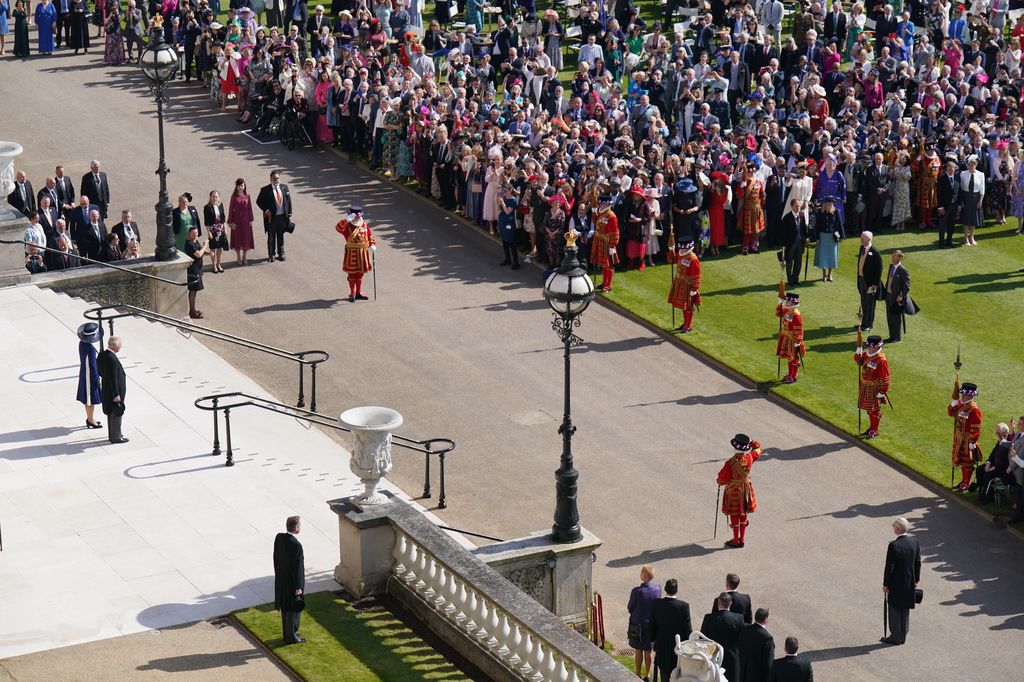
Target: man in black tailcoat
(289, 579)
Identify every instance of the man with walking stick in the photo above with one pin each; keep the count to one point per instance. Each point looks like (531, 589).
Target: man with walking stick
(359, 244)
(791, 334)
(739, 499)
(966, 430)
(685, 291)
(902, 574)
(874, 382)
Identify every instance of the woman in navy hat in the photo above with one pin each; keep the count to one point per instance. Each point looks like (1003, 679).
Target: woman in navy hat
(88, 376)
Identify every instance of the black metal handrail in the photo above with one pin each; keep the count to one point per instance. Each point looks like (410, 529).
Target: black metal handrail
(235, 399)
(307, 357)
(96, 262)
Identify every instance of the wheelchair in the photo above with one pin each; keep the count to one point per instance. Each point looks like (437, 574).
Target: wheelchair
(293, 133)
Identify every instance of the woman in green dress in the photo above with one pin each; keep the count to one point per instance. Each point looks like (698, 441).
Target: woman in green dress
(20, 30)
(184, 218)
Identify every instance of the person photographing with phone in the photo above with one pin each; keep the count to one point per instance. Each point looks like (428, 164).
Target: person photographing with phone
(195, 250)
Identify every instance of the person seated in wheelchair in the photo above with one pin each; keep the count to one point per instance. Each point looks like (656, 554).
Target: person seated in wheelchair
(296, 125)
(260, 94)
(272, 107)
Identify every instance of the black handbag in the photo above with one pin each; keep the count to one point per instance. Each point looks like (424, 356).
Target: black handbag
(299, 604)
(633, 631)
(918, 595)
(290, 227)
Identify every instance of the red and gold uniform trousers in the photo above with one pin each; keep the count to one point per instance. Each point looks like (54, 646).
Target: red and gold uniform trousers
(750, 220)
(686, 281)
(602, 250)
(874, 380)
(966, 431)
(791, 340)
(926, 174)
(738, 496)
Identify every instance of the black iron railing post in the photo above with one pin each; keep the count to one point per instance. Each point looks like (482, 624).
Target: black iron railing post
(426, 473)
(99, 323)
(312, 382)
(302, 392)
(227, 430)
(216, 432)
(441, 504)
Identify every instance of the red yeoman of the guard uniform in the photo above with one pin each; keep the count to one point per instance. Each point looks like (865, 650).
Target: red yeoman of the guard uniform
(791, 339)
(685, 291)
(874, 383)
(358, 243)
(966, 431)
(738, 497)
(606, 238)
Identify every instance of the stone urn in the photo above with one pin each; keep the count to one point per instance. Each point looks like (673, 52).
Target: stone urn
(371, 452)
(8, 152)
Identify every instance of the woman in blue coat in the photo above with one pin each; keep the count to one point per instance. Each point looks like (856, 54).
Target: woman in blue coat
(46, 16)
(88, 376)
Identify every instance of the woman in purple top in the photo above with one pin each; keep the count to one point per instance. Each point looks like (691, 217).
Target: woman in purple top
(832, 183)
(639, 607)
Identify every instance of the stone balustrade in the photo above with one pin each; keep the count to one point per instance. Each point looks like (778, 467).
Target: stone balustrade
(487, 619)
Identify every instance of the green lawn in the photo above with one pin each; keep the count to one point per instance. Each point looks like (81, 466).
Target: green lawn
(968, 296)
(345, 643)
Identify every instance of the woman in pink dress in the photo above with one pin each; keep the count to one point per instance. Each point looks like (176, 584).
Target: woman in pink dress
(720, 194)
(240, 222)
(323, 87)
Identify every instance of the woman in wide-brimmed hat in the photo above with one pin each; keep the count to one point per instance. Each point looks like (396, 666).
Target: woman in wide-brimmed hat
(88, 376)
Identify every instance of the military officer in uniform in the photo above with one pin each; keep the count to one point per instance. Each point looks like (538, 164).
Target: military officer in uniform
(359, 242)
(791, 339)
(603, 252)
(738, 498)
(685, 292)
(966, 430)
(874, 383)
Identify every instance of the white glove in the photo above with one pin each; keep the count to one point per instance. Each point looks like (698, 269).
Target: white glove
(693, 293)
(373, 247)
(879, 395)
(781, 301)
(972, 446)
(590, 235)
(611, 251)
(954, 403)
(860, 350)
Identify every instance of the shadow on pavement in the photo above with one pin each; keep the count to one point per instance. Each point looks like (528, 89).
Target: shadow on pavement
(195, 662)
(720, 399)
(315, 304)
(650, 556)
(840, 652)
(805, 452)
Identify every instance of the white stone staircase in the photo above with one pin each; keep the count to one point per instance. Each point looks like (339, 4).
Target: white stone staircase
(102, 540)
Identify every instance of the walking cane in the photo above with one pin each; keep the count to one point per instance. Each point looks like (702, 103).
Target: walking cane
(718, 494)
(860, 344)
(885, 615)
(782, 295)
(956, 394)
(373, 258)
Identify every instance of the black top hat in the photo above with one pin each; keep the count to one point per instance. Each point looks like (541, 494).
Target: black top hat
(686, 246)
(874, 340)
(741, 442)
(90, 332)
(604, 199)
(967, 388)
(792, 297)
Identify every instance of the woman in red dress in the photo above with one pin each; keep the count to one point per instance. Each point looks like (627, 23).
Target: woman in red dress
(240, 221)
(229, 72)
(720, 195)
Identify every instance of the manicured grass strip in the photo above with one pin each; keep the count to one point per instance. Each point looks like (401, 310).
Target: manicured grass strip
(968, 296)
(346, 643)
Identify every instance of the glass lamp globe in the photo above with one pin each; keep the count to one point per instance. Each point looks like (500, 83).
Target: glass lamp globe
(159, 62)
(569, 290)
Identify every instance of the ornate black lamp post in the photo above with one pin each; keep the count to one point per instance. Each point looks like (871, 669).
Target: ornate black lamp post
(568, 291)
(160, 64)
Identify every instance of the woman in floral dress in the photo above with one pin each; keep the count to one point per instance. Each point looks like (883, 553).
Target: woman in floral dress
(1017, 195)
(901, 174)
(114, 47)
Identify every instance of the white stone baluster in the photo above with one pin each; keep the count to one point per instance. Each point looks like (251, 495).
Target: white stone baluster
(514, 646)
(411, 555)
(493, 623)
(549, 664)
(526, 654)
(470, 610)
(431, 578)
(537, 662)
(504, 637)
(483, 607)
(399, 553)
(461, 604)
(561, 673)
(451, 590)
(420, 570)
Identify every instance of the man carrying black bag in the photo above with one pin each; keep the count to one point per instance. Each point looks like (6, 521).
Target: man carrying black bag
(289, 579)
(112, 388)
(902, 574)
(897, 297)
(276, 203)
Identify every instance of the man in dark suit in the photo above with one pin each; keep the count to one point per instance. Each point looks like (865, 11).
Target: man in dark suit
(66, 196)
(23, 197)
(95, 186)
(794, 236)
(835, 25)
(50, 191)
(669, 617)
(92, 236)
(869, 280)
(276, 203)
(876, 185)
(443, 157)
(737, 72)
(897, 296)
(740, 602)
(296, 13)
(127, 230)
(63, 8)
(60, 261)
(313, 26)
(757, 649)
(791, 668)
(723, 626)
(289, 578)
(948, 195)
(113, 386)
(902, 574)
(47, 214)
(78, 217)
